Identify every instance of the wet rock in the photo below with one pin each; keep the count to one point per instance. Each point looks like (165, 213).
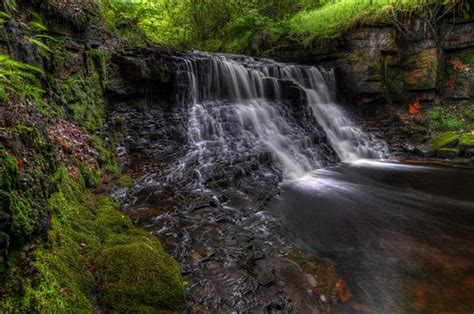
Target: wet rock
(458, 36)
(93, 36)
(311, 280)
(425, 150)
(448, 153)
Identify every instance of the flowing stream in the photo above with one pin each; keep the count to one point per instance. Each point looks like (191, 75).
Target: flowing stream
(401, 236)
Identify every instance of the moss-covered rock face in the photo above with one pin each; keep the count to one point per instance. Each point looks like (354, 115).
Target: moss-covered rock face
(445, 140)
(449, 145)
(94, 249)
(8, 169)
(139, 277)
(57, 237)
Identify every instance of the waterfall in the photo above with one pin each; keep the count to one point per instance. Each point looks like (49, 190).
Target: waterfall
(241, 107)
(350, 142)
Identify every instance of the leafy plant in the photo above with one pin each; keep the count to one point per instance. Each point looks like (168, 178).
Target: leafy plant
(19, 78)
(39, 38)
(4, 17)
(450, 119)
(10, 5)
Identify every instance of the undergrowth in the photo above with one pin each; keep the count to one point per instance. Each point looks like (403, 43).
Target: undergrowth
(94, 250)
(20, 79)
(337, 18)
(64, 246)
(451, 118)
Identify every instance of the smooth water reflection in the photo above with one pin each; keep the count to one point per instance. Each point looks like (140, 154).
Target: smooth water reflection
(402, 236)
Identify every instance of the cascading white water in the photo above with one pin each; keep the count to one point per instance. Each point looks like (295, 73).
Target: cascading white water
(350, 142)
(236, 106)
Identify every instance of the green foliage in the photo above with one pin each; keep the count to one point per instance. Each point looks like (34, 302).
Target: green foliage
(20, 79)
(83, 97)
(444, 140)
(139, 277)
(39, 37)
(87, 236)
(9, 6)
(8, 169)
(4, 17)
(451, 119)
(207, 24)
(87, 232)
(339, 16)
(251, 26)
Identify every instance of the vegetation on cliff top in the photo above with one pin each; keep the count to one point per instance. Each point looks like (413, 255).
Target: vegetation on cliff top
(255, 27)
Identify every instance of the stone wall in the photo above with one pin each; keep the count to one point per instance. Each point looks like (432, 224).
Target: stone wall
(385, 64)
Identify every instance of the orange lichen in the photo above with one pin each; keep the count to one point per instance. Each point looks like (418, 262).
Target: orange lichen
(344, 294)
(414, 107)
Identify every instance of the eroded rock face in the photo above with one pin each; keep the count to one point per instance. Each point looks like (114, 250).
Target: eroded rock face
(381, 64)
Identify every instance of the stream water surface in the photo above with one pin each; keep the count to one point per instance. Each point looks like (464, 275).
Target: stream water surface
(402, 236)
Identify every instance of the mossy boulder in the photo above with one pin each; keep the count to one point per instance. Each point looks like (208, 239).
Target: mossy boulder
(444, 140)
(93, 258)
(139, 276)
(466, 141)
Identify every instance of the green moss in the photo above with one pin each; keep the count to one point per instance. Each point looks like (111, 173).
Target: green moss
(106, 159)
(449, 139)
(91, 176)
(8, 169)
(24, 217)
(125, 181)
(82, 95)
(466, 141)
(470, 152)
(139, 276)
(94, 250)
(97, 65)
(446, 119)
(30, 136)
(468, 57)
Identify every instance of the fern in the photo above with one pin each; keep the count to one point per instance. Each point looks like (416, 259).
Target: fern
(10, 5)
(4, 17)
(38, 39)
(20, 79)
(35, 40)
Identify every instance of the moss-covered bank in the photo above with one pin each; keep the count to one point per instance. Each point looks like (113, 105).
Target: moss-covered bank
(64, 244)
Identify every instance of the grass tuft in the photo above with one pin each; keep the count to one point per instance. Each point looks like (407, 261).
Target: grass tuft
(337, 18)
